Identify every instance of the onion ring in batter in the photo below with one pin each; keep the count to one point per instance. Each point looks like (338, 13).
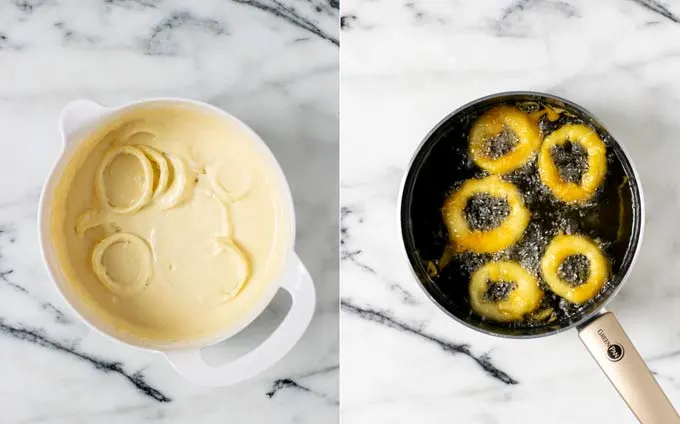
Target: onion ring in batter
(86, 220)
(105, 278)
(138, 131)
(163, 170)
(225, 195)
(147, 187)
(228, 243)
(180, 188)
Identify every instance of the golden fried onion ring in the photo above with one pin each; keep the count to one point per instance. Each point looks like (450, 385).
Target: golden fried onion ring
(521, 300)
(490, 125)
(505, 235)
(559, 249)
(103, 276)
(147, 187)
(597, 163)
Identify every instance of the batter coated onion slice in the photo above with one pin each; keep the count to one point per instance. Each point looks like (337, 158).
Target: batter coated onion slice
(147, 185)
(228, 243)
(86, 220)
(180, 188)
(102, 274)
(163, 169)
(138, 130)
(221, 192)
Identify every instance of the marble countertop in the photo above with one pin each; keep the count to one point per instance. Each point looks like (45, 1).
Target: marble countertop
(274, 64)
(407, 64)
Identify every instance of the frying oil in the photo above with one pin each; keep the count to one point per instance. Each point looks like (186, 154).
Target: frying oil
(604, 218)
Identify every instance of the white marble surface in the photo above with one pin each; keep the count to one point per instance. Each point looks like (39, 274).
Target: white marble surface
(272, 63)
(405, 65)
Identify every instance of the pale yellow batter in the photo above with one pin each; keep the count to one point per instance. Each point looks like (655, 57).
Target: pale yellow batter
(169, 223)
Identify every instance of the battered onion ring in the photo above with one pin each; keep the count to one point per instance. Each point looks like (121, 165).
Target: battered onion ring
(491, 124)
(560, 248)
(495, 239)
(163, 169)
(180, 188)
(147, 188)
(103, 276)
(127, 132)
(524, 298)
(86, 220)
(597, 163)
(228, 243)
(225, 241)
(225, 195)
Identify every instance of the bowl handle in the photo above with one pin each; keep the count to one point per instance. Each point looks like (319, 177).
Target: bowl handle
(78, 115)
(624, 367)
(299, 284)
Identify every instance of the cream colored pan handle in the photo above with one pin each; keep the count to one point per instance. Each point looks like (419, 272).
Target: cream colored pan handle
(612, 349)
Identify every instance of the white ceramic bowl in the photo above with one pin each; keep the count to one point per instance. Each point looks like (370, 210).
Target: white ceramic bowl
(80, 118)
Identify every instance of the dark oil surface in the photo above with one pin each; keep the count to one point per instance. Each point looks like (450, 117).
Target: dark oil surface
(484, 212)
(575, 270)
(501, 144)
(498, 290)
(607, 219)
(571, 160)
